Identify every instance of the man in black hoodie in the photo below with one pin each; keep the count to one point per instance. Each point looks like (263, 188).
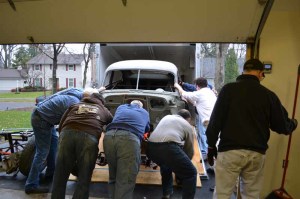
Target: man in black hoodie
(80, 129)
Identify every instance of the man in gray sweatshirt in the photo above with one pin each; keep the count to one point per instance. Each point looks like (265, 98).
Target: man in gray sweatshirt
(171, 146)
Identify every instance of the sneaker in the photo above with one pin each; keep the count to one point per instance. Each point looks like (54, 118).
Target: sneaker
(36, 190)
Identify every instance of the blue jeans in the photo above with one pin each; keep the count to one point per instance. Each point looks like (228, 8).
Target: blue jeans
(123, 153)
(171, 158)
(46, 141)
(202, 135)
(75, 148)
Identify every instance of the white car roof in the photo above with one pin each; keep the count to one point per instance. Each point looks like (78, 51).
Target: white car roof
(144, 65)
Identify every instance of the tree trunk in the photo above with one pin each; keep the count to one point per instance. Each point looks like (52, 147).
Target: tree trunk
(221, 50)
(54, 82)
(88, 50)
(5, 48)
(84, 76)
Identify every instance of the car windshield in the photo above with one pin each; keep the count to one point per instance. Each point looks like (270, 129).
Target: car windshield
(139, 79)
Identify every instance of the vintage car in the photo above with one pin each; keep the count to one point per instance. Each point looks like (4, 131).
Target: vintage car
(150, 81)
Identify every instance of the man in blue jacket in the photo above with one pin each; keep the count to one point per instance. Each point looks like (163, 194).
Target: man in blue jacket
(43, 118)
(122, 149)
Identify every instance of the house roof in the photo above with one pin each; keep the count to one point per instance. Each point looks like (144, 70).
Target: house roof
(11, 74)
(61, 59)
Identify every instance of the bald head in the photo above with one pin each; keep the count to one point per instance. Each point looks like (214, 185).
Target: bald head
(137, 102)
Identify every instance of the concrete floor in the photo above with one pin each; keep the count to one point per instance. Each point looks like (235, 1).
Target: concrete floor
(12, 187)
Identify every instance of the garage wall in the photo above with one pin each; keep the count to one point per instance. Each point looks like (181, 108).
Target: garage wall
(280, 44)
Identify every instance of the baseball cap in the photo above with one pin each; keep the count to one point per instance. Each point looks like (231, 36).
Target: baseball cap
(254, 64)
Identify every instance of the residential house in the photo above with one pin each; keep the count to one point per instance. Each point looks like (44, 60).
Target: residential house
(12, 78)
(69, 73)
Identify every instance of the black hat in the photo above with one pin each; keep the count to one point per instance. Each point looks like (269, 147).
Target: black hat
(254, 64)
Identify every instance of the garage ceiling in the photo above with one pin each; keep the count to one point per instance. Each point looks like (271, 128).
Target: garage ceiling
(155, 27)
(73, 21)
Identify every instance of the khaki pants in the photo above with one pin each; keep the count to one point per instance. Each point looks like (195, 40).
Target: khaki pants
(234, 163)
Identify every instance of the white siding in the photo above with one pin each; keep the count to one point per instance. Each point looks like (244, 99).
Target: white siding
(62, 74)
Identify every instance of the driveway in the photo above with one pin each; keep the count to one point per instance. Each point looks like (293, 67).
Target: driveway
(15, 105)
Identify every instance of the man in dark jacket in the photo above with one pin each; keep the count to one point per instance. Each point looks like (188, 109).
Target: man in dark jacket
(122, 149)
(243, 115)
(80, 129)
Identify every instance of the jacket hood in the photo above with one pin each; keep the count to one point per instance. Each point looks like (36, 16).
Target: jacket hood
(92, 100)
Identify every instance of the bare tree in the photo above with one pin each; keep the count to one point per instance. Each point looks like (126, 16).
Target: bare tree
(221, 50)
(57, 48)
(52, 54)
(88, 50)
(208, 49)
(6, 52)
(240, 50)
(31, 75)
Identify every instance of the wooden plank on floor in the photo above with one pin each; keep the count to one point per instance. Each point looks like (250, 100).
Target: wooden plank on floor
(197, 157)
(146, 175)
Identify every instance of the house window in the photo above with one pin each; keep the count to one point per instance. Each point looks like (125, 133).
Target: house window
(37, 67)
(71, 67)
(71, 83)
(38, 82)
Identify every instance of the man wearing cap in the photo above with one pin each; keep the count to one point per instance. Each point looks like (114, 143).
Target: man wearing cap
(80, 129)
(122, 149)
(243, 115)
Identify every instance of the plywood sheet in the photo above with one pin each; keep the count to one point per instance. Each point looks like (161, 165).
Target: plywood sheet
(146, 175)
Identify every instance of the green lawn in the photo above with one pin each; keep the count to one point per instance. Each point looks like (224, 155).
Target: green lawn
(23, 94)
(15, 119)
(21, 97)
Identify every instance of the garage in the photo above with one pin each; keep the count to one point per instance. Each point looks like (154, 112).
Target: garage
(269, 28)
